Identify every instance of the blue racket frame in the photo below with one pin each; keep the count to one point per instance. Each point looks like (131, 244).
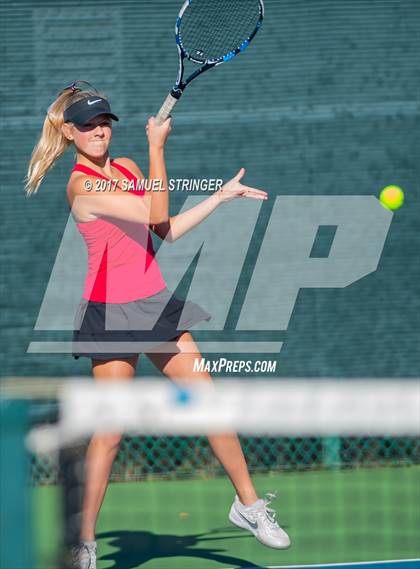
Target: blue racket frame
(206, 64)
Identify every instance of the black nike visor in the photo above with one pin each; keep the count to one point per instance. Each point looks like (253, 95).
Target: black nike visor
(83, 111)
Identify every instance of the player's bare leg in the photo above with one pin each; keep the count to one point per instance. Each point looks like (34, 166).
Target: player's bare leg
(102, 448)
(226, 447)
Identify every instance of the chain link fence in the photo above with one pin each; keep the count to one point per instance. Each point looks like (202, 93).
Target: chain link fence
(143, 458)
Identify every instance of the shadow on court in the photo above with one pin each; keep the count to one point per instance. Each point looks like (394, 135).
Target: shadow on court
(134, 548)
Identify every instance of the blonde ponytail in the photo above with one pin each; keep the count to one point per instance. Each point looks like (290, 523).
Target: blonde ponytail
(52, 143)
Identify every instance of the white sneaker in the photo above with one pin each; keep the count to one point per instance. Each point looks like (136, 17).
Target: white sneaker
(84, 555)
(260, 520)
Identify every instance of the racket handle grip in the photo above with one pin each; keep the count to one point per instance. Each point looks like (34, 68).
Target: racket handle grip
(166, 109)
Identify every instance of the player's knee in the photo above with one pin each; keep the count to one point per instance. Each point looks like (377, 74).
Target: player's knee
(108, 442)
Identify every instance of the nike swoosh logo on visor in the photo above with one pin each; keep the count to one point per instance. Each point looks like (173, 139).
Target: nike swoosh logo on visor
(93, 102)
(252, 524)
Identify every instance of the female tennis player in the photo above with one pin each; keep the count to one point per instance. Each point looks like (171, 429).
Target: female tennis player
(124, 278)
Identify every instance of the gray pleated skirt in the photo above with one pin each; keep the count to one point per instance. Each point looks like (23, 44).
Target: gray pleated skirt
(106, 330)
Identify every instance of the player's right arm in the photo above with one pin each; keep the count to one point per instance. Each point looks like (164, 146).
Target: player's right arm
(87, 204)
(157, 136)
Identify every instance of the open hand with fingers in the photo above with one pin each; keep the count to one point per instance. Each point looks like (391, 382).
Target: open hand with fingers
(234, 189)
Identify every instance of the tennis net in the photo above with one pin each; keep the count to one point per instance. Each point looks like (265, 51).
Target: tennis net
(343, 455)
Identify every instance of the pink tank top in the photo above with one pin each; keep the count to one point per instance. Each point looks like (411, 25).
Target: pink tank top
(121, 259)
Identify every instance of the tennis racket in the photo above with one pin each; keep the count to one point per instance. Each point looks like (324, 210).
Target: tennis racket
(208, 33)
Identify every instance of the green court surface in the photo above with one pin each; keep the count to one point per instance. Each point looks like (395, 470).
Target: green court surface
(332, 516)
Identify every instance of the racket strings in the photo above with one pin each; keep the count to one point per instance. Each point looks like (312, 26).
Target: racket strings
(210, 30)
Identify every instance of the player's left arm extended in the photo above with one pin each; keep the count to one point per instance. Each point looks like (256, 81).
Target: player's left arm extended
(179, 225)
